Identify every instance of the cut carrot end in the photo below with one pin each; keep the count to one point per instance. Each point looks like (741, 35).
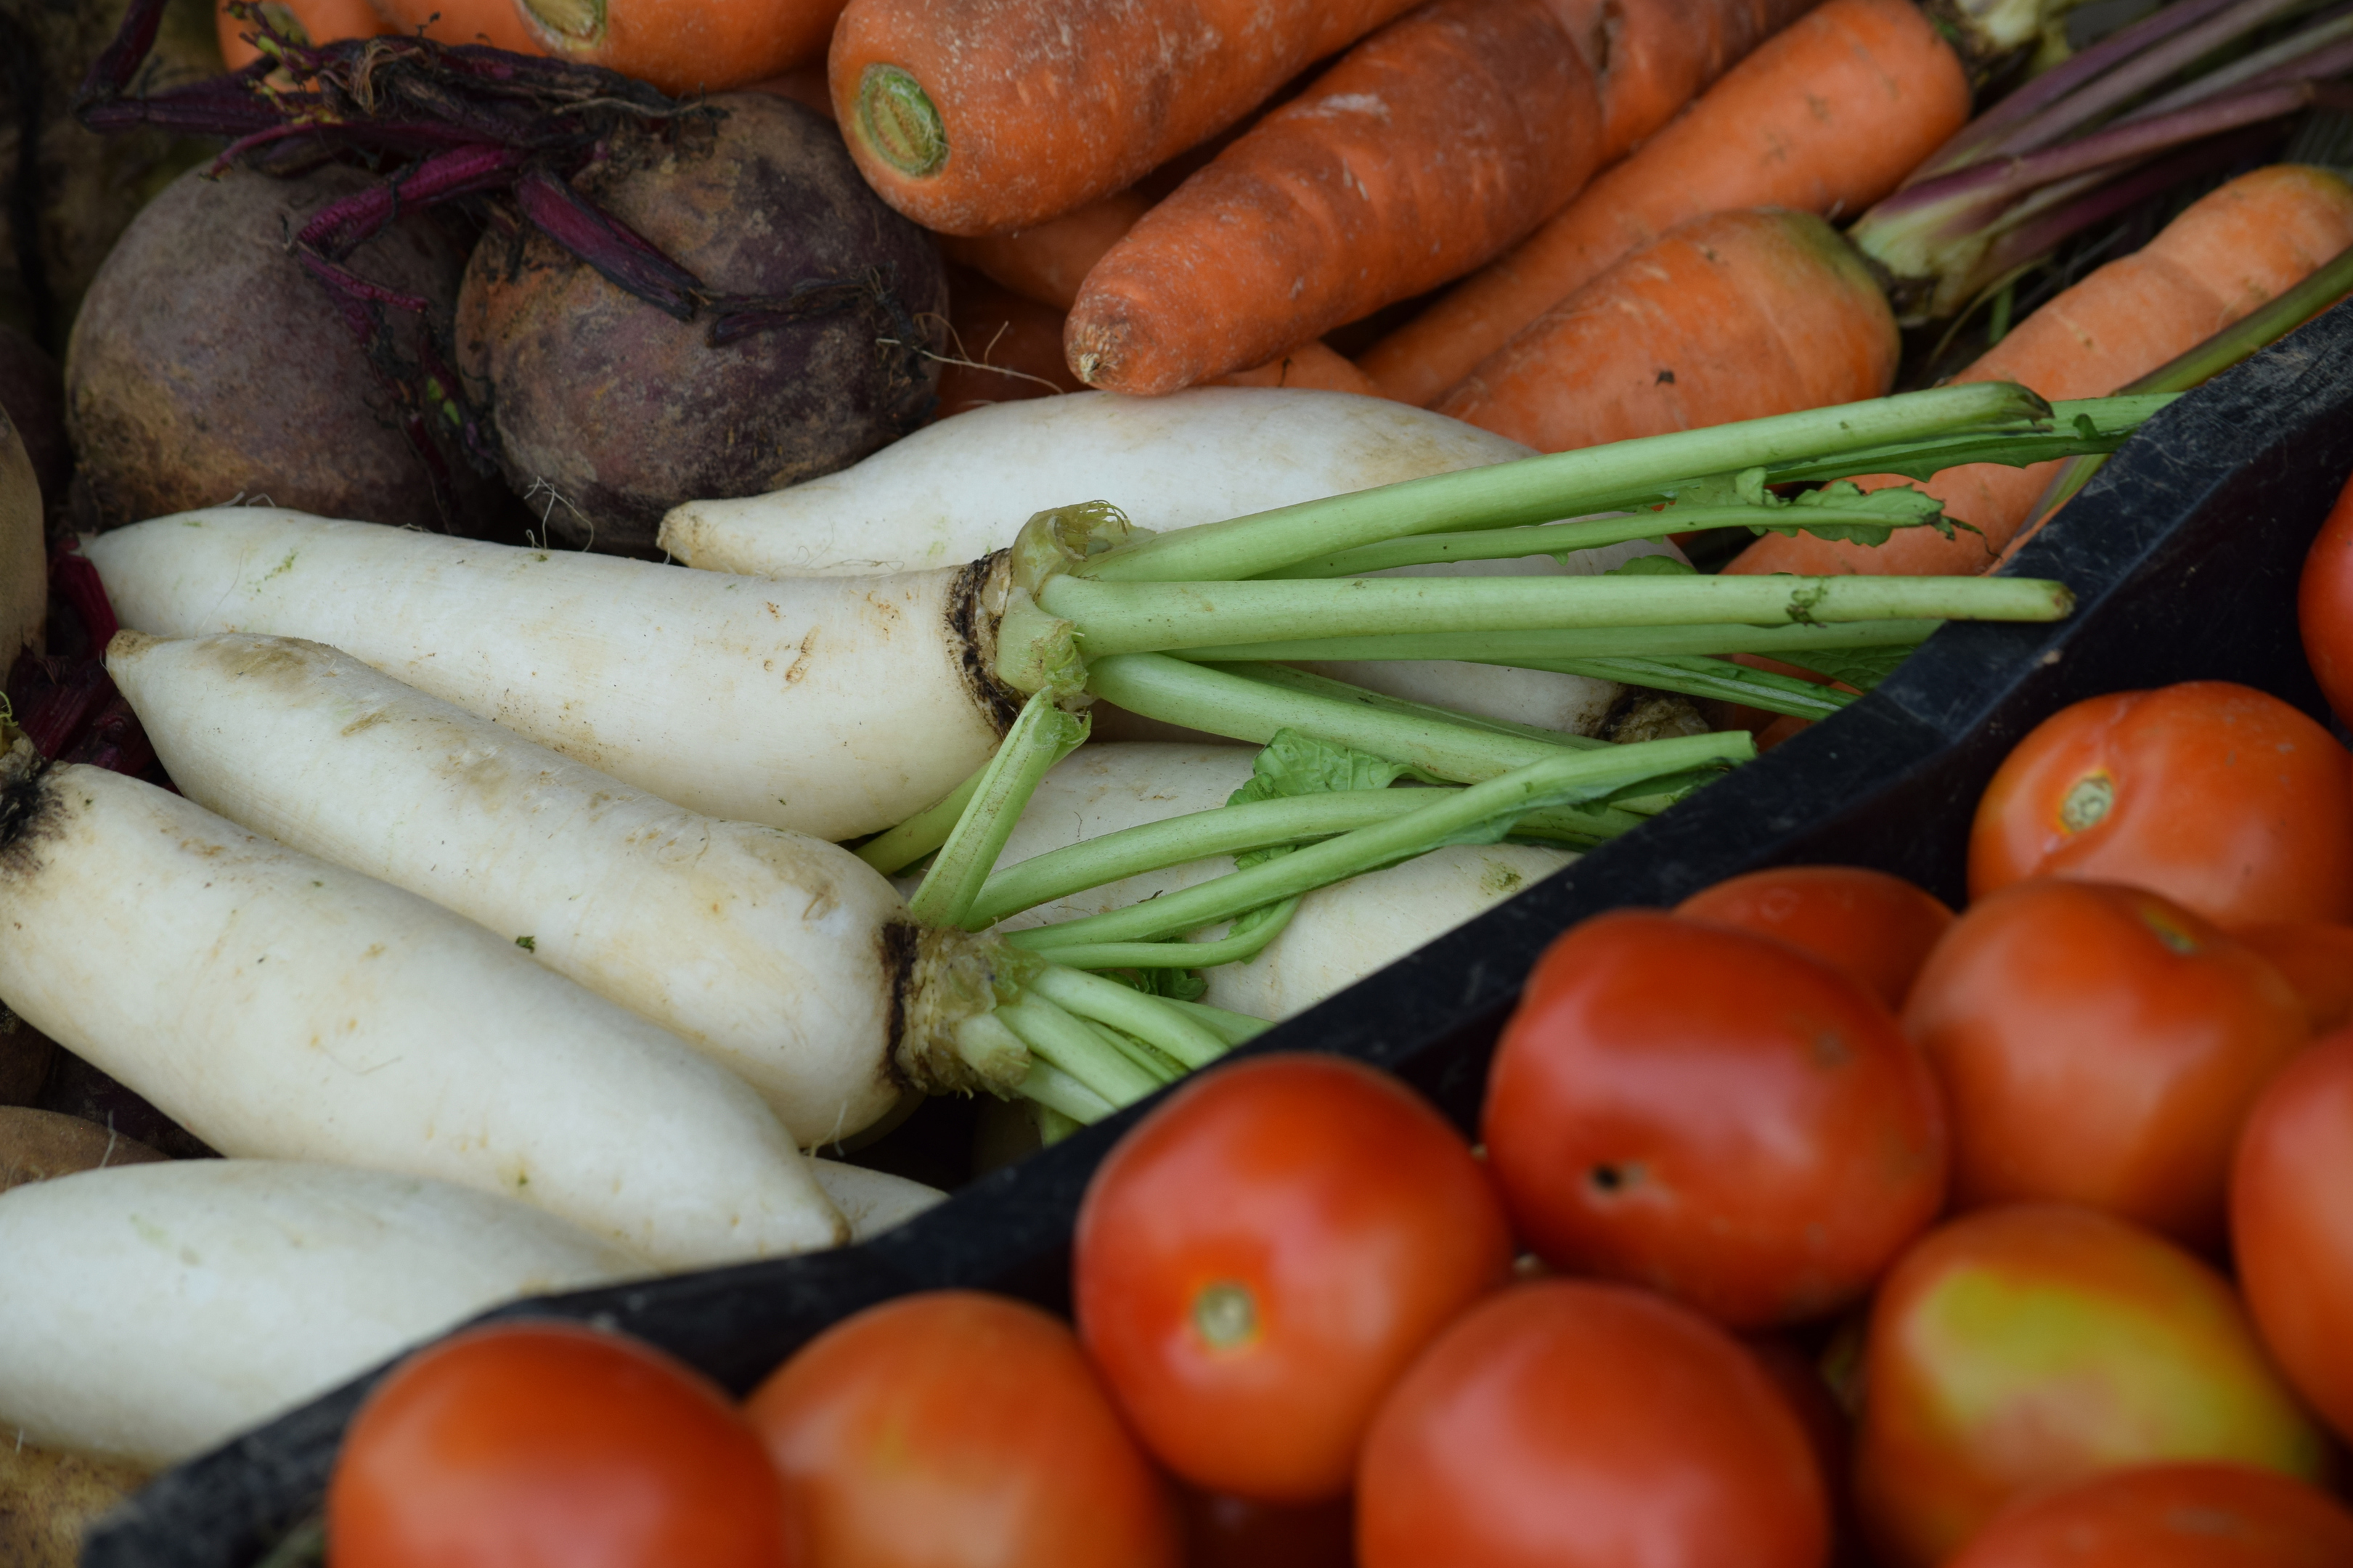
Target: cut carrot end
(898, 122)
(577, 21)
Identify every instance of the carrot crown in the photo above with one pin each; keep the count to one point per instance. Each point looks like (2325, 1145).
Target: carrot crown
(898, 122)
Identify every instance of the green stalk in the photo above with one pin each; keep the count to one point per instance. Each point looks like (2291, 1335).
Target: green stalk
(1142, 1058)
(1064, 1042)
(1553, 539)
(1546, 782)
(1043, 736)
(1707, 678)
(1563, 484)
(1234, 1029)
(1162, 617)
(1147, 1017)
(1059, 1092)
(1528, 647)
(1284, 678)
(903, 845)
(1233, 948)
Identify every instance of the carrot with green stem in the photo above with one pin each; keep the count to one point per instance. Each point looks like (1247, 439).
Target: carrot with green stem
(1824, 116)
(1732, 316)
(2229, 253)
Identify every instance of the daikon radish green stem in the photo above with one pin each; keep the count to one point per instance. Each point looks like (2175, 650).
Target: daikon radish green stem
(1545, 782)
(1107, 1001)
(1043, 736)
(1069, 1044)
(1543, 539)
(1059, 1092)
(1234, 1029)
(1285, 678)
(921, 834)
(1708, 678)
(1165, 617)
(1533, 647)
(1540, 489)
(1237, 948)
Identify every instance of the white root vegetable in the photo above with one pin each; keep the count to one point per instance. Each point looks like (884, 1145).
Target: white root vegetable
(24, 565)
(1340, 933)
(833, 707)
(873, 1201)
(278, 1005)
(783, 958)
(154, 1311)
(956, 491)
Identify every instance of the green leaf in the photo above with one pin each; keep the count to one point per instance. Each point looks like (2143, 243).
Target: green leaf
(1861, 668)
(1653, 566)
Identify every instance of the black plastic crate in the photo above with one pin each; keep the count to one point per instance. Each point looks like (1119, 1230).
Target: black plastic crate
(2184, 553)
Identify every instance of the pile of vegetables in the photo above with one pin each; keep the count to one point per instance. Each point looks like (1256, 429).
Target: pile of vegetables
(612, 601)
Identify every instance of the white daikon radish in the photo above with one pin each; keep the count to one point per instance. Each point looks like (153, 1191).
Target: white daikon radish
(782, 957)
(835, 707)
(1340, 933)
(154, 1311)
(278, 1005)
(956, 491)
(873, 1201)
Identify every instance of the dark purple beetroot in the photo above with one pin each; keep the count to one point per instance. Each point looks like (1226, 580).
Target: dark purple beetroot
(33, 395)
(610, 412)
(207, 364)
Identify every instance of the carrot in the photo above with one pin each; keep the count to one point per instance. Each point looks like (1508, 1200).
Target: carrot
(1429, 147)
(985, 116)
(1049, 261)
(1652, 57)
(805, 85)
(2226, 254)
(498, 23)
(304, 21)
(1731, 316)
(1003, 348)
(1311, 365)
(684, 46)
(1825, 117)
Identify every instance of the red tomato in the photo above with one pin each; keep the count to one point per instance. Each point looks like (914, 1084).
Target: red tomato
(2324, 605)
(1260, 1257)
(2292, 1224)
(2031, 1346)
(1569, 1424)
(2170, 1516)
(1876, 927)
(2316, 961)
(1712, 1114)
(2224, 799)
(954, 1429)
(2100, 1045)
(551, 1446)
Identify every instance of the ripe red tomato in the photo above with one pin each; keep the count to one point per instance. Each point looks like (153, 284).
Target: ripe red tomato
(2170, 1516)
(2100, 1046)
(958, 1430)
(551, 1446)
(1715, 1114)
(2027, 1347)
(2292, 1224)
(2221, 797)
(1260, 1257)
(1876, 927)
(2316, 961)
(1570, 1423)
(2324, 605)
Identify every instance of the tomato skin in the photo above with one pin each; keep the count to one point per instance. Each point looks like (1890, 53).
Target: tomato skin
(1317, 1212)
(2316, 961)
(1876, 927)
(2225, 799)
(2030, 1346)
(954, 1429)
(2098, 1044)
(1571, 1423)
(2170, 1516)
(547, 1445)
(2324, 605)
(1715, 1114)
(2292, 1224)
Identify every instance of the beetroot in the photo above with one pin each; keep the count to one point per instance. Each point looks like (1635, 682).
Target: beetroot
(206, 363)
(608, 411)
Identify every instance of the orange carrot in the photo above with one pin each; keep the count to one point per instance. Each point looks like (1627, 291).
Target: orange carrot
(1311, 364)
(498, 23)
(982, 116)
(1826, 117)
(304, 21)
(1652, 57)
(1429, 147)
(1732, 316)
(1047, 262)
(805, 85)
(1002, 348)
(2231, 251)
(684, 46)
